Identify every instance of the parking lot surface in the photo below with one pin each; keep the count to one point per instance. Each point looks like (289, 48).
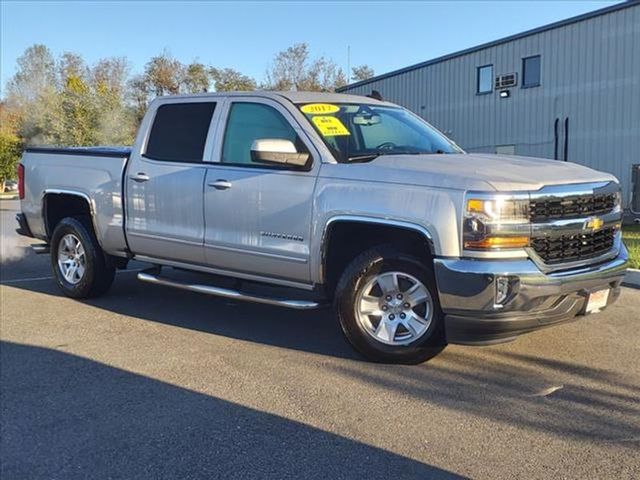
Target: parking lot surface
(149, 382)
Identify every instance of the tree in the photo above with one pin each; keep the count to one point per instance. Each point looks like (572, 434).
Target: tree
(288, 71)
(115, 122)
(10, 151)
(164, 74)
(71, 65)
(72, 118)
(139, 94)
(109, 78)
(361, 72)
(324, 76)
(65, 101)
(31, 91)
(292, 70)
(196, 78)
(36, 73)
(229, 80)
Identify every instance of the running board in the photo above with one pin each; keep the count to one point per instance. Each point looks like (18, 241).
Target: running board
(227, 293)
(40, 248)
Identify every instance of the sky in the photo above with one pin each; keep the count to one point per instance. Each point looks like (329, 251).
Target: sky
(246, 35)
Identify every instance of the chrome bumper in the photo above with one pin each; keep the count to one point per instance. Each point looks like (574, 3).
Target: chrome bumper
(536, 299)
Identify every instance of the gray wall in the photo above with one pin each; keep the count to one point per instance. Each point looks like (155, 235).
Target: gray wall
(590, 74)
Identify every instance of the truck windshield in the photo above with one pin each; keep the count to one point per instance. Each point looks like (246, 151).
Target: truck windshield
(362, 132)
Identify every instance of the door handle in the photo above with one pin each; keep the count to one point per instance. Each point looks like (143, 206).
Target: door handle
(220, 184)
(139, 177)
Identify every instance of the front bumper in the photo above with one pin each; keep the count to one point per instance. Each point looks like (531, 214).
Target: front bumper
(536, 300)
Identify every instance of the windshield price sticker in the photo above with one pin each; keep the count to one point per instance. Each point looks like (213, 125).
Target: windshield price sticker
(330, 126)
(320, 108)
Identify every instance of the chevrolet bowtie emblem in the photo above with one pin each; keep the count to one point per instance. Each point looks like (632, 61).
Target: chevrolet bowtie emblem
(593, 224)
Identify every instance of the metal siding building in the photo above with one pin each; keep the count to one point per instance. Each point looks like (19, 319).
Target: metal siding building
(590, 75)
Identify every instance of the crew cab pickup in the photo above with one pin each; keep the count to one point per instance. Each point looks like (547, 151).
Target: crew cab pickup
(307, 199)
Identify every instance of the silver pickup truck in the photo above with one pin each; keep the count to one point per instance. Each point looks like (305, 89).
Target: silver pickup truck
(304, 199)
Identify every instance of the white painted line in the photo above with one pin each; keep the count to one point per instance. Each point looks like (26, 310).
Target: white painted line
(545, 392)
(20, 280)
(51, 277)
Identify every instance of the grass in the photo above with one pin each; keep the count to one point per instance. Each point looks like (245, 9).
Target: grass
(631, 237)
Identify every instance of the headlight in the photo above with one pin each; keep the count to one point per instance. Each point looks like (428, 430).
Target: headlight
(617, 201)
(496, 222)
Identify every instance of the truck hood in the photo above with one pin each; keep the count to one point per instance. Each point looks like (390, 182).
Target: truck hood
(476, 171)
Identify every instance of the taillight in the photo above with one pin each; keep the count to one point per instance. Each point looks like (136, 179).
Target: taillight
(20, 181)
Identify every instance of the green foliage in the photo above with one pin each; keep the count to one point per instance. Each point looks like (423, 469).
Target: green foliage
(631, 238)
(70, 103)
(10, 151)
(63, 101)
(292, 69)
(361, 72)
(196, 78)
(230, 80)
(164, 74)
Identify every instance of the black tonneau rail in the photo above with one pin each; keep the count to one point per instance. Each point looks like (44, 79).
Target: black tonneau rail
(115, 152)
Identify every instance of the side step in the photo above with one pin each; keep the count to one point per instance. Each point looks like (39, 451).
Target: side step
(150, 277)
(40, 248)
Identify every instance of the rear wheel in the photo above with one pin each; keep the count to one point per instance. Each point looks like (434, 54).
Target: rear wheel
(79, 264)
(388, 307)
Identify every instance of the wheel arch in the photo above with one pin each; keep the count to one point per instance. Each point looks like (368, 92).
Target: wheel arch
(58, 204)
(366, 224)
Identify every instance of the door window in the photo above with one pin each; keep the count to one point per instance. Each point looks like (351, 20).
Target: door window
(179, 132)
(252, 121)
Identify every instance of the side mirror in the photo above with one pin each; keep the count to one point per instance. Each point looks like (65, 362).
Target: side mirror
(277, 151)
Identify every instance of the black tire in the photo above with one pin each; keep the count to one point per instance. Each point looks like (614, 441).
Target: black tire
(98, 271)
(355, 277)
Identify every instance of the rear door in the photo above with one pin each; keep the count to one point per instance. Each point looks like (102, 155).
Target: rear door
(258, 217)
(165, 179)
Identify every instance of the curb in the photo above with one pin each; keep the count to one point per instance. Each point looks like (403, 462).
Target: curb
(632, 278)
(8, 197)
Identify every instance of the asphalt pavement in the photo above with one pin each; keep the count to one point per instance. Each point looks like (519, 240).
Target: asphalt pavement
(149, 382)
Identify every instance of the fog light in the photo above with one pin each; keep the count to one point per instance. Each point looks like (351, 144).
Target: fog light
(502, 291)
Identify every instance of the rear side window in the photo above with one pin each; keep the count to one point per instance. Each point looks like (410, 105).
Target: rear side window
(179, 132)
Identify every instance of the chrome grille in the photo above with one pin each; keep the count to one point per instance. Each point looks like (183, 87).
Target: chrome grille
(569, 248)
(576, 206)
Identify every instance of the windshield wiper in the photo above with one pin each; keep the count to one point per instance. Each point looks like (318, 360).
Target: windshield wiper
(437, 152)
(364, 158)
(373, 156)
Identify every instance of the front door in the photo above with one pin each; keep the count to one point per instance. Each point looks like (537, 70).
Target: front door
(164, 184)
(258, 217)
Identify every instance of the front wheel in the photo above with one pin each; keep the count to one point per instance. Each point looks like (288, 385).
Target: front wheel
(388, 307)
(79, 264)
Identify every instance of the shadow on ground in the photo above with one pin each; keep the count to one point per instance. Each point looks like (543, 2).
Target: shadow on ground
(495, 383)
(69, 417)
(512, 388)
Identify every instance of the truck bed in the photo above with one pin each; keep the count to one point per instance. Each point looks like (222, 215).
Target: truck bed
(93, 173)
(98, 151)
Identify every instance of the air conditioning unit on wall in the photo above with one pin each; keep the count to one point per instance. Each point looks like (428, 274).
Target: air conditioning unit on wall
(506, 80)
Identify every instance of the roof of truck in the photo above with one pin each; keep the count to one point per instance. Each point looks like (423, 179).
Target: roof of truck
(295, 97)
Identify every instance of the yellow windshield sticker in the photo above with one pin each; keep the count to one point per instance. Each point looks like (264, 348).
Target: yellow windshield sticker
(320, 108)
(330, 126)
